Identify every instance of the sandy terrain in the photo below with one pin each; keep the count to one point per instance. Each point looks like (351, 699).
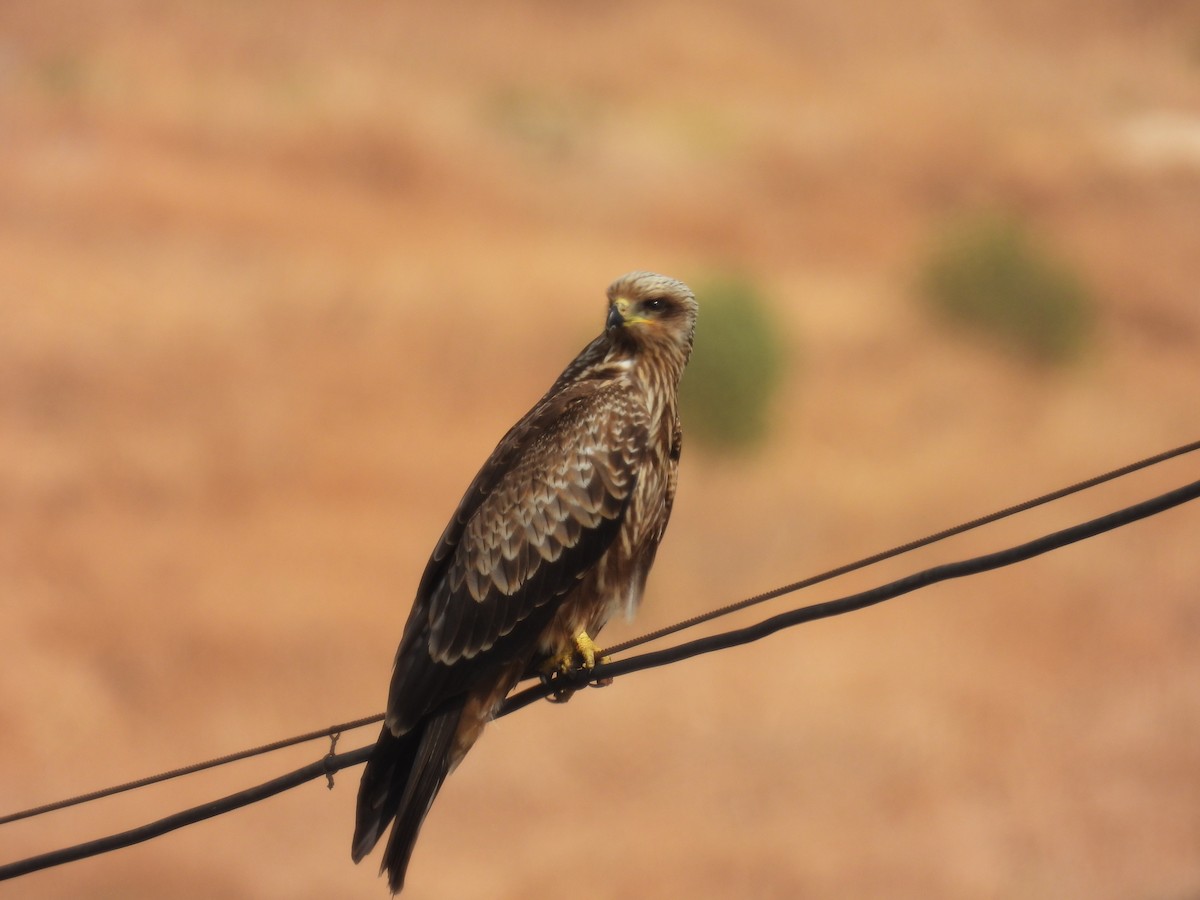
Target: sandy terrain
(274, 277)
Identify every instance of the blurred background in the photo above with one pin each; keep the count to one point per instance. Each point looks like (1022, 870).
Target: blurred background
(275, 277)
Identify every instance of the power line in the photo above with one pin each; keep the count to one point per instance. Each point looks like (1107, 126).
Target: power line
(904, 548)
(854, 602)
(325, 766)
(331, 731)
(336, 729)
(335, 762)
(645, 638)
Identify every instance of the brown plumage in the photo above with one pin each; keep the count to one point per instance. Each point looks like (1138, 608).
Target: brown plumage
(556, 533)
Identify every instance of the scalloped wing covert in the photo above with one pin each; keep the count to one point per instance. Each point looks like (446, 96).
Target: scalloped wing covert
(541, 512)
(570, 481)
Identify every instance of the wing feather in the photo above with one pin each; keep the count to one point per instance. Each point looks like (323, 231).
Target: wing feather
(543, 509)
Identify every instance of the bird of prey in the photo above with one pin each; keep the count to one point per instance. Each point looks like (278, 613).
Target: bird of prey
(556, 533)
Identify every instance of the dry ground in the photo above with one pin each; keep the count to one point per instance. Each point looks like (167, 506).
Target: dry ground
(275, 276)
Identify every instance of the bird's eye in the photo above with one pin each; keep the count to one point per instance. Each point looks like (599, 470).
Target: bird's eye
(654, 304)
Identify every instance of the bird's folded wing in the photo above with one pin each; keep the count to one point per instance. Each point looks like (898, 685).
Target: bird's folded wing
(540, 513)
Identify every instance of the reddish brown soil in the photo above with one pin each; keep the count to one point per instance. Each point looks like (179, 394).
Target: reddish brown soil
(275, 276)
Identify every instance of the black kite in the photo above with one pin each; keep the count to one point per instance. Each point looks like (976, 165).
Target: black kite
(556, 533)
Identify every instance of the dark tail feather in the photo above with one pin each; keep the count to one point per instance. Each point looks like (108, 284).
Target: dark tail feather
(382, 787)
(402, 777)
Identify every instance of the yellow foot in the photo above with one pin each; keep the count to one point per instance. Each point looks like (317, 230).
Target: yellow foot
(581, 654)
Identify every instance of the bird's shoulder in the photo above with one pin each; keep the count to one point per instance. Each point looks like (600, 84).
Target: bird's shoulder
(592, 409)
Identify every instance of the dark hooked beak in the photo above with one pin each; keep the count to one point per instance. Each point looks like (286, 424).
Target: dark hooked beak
(615, 319)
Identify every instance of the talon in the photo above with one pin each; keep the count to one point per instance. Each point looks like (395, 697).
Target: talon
(559, 695)
(586, 648)
(580, 654)
(553, 666)
(601, 682)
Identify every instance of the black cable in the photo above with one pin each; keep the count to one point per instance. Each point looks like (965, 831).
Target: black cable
(325, 766)
(855, 602)
(903, 548)
(189, 770)
(333, 763)
(642, 639)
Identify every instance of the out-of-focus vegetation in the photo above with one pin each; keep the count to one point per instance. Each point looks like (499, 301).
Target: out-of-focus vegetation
(991, 276)
(550, 124)
(736, 368)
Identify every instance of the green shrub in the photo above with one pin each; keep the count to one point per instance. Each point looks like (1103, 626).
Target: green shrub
(989, 276)
(736, 367)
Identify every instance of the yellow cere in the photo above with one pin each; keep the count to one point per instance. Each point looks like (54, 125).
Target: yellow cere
(622, 304)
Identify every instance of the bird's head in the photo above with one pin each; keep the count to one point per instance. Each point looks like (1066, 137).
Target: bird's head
(646, 310)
